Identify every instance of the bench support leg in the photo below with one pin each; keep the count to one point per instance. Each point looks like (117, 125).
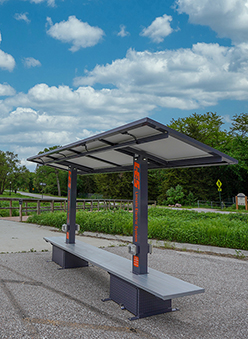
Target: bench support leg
(66, 259)
(137, 301)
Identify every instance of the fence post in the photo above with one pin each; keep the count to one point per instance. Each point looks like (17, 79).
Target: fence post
(198, 202)
(10, 208)
(26, 207)
(38, 207)
(52, 206)
(84, 205)
(20, 210)
(98, 207)
(91, 206)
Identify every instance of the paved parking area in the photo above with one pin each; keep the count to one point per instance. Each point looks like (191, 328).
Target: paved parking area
(41, 301)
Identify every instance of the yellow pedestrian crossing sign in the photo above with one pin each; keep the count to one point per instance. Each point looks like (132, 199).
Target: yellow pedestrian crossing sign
(219, 184)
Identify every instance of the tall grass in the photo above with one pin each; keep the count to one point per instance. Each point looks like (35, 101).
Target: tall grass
(223, 230)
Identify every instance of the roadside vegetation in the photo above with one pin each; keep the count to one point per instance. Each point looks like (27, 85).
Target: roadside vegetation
(228, 230)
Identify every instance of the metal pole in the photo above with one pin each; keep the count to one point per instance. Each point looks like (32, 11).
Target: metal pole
(140, 214)
(71, 206)
(220, 199)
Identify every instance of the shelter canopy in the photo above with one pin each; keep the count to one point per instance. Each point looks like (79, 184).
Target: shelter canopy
(114, 150)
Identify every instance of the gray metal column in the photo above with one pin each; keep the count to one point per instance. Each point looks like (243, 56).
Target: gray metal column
(71, 206)
(140, 214)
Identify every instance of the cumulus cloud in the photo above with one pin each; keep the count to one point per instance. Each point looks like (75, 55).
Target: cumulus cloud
(31, 62)
(229, 18)
(7, 62)
(79, 34)
(158, 29)
(184, 78)
(22, 16)
(25, 126)
(6, 90)
(123, 31)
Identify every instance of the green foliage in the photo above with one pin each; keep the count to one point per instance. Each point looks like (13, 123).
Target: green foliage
(12, 175)
(175, 195)
(190, 199)
(115, 185)
(207, 128)
(119, 222)
(199, 228)
(228, 230)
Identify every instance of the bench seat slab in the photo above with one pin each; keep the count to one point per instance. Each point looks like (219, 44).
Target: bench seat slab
(141, 294)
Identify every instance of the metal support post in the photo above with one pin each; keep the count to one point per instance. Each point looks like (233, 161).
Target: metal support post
(140, 214)
(71, 206)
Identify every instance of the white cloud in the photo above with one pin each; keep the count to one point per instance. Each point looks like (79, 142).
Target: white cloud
(123, 31)
(229, 18)
(6, 90)
(158, 29)
(49, 2)
(7, 62)
(79, 34)
(31, 62)
(22, 16)
(0, 37)
(188, 79)
(184, 78)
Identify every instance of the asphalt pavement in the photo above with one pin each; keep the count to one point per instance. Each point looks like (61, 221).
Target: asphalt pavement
(40, 300)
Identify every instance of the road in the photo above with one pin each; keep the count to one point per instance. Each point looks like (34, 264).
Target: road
(40, 196)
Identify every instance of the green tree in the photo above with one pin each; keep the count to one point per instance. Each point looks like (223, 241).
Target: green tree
(206, 128)
(238, 148)
(9, 170)
(48, 179)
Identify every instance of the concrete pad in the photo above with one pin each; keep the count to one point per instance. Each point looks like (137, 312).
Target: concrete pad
(19, 237)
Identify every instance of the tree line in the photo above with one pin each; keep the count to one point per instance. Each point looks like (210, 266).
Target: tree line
(196, 183)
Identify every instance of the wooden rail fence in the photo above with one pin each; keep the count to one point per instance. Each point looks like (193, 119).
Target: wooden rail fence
(26, 206)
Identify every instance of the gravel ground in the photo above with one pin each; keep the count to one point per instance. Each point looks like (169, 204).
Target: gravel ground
(38, 300)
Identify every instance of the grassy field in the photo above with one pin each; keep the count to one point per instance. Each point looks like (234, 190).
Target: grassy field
(223, 230)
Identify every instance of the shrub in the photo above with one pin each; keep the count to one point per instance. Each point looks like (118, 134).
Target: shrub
(175, 195)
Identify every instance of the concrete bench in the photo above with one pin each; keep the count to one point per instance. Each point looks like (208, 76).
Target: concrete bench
(141, 294)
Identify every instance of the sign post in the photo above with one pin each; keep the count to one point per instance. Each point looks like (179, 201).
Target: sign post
(241, 200)
(219, 184)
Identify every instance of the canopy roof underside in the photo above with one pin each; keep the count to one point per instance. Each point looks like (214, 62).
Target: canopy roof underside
(113, 151)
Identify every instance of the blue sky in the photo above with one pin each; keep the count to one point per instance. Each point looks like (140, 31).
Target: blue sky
(72, 68)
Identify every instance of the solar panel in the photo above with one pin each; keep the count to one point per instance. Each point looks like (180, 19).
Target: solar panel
(114, 150)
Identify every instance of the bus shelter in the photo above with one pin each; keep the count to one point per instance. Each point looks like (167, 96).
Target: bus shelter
(138, 146)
